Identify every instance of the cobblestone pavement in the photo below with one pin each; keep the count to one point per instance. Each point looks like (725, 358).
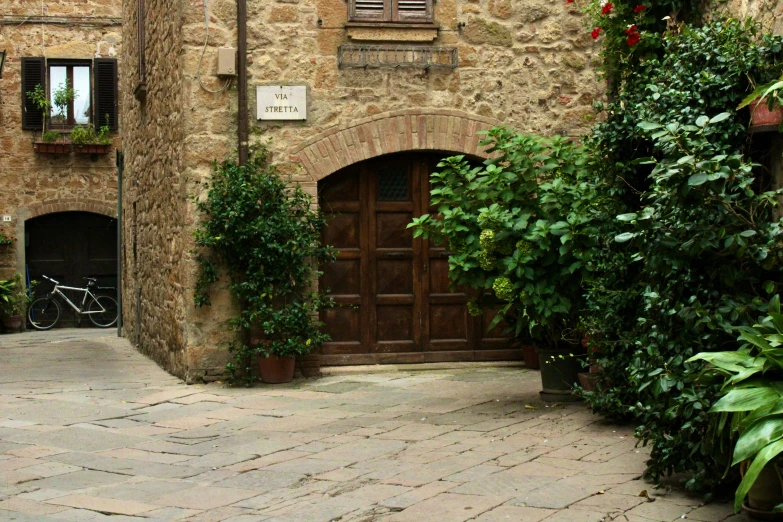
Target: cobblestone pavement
(89, 428)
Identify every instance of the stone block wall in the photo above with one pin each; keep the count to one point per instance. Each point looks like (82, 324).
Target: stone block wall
(28, 181)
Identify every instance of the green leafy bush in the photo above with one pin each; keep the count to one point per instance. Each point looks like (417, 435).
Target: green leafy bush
(751, 405)
(518, 227)
(266, 235)
(694, 248)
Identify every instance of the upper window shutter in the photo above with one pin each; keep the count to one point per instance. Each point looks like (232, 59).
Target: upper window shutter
(414, 10)
(33, 74)
(105, 92)
(370, 10)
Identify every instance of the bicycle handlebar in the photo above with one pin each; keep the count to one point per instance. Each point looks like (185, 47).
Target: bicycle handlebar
(50, 279)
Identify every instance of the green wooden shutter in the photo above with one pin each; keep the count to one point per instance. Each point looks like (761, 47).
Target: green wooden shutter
(105, 97)
(33, 74)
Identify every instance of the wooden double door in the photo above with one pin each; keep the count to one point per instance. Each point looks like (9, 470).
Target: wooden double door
(394, 304)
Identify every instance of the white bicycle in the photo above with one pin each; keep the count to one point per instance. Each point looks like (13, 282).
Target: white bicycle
(44, 312)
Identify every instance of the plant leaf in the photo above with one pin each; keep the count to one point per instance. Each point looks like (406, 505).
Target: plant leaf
(762, 458)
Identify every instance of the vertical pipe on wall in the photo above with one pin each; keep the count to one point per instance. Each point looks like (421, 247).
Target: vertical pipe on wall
(243, 124)
(120, 166)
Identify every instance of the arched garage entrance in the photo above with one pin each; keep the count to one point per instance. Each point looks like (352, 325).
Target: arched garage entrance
(68, 246)
(392, 291)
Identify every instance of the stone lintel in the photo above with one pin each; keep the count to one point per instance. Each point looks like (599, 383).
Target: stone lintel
(392, 33)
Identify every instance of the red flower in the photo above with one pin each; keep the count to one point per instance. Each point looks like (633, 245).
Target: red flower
(595, 32)
(634, 39)
(569, 1)
(631, 29)
(607, 8)
(639, 8)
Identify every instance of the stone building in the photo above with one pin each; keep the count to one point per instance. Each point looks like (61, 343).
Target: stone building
(60, 207)
(375, 92)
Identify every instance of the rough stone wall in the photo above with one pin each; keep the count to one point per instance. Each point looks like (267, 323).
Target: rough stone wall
(154, 219)
(30, 182)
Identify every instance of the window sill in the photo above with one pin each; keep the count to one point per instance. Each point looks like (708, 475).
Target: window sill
(391, 32)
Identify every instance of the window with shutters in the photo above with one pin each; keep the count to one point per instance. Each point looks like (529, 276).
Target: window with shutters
(95, 97)
(404, 11)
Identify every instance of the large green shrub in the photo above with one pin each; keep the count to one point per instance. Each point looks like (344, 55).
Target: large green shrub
(695, 245)
(518, 227)
(266, 235)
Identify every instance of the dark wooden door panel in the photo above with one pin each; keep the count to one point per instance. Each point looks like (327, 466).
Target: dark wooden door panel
(395, 303)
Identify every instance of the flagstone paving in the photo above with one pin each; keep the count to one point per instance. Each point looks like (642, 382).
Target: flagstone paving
(92, 430)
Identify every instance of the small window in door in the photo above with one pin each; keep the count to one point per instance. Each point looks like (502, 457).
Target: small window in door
(393, 184)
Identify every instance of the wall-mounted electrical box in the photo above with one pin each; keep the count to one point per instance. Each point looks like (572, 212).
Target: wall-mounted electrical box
(227, 61)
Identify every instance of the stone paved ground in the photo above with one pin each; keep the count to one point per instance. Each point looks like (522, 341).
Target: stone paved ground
(89, 428)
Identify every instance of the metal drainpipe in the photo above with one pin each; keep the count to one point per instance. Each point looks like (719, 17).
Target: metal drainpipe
(120, 168)
(242, 128)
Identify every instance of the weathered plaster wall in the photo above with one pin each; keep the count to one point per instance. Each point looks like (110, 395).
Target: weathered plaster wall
(29, 180)
(526, 64)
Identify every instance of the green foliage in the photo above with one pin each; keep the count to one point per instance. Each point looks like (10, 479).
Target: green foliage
(266, 235)
(14, 299)
(6, 238)
(51, 136)
(751, 395)
(86, 135)
(520, 224)
(694, 247)
(42, 103)
(63, 95)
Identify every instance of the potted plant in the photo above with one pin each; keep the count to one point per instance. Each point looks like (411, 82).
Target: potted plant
(86, 140)
(518, 227)
(6, 240)
(266, 235)
(52, 142)
(752, 389)
(765, 105)
(14, 300)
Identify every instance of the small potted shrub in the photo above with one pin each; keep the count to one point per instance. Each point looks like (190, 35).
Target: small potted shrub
(14, 300)
(52, 142)
(266, 235)
(751, 411)
(6, 240)
(86, 140)
(765, 105)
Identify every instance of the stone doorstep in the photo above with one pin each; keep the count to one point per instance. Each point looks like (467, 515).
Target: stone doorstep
(329, 371)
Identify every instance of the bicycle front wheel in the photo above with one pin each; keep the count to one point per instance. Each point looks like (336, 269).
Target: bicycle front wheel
(103, 311)
(44, 313)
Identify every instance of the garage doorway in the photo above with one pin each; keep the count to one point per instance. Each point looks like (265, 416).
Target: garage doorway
(69, 246)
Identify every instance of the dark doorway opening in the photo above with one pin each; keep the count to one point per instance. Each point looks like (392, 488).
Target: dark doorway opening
(69, 246)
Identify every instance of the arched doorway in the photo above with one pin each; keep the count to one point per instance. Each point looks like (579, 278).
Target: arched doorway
(392, 291)
(69, 246)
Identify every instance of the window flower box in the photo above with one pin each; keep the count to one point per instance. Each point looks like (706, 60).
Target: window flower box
(43, 147)
(92, 148)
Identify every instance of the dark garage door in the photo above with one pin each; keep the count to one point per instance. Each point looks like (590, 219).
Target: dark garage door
(68, 246)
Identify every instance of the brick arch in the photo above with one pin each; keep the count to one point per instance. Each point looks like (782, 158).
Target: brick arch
(398, 131)
(72, 204)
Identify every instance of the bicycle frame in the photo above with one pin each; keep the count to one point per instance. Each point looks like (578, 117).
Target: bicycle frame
(58, 290)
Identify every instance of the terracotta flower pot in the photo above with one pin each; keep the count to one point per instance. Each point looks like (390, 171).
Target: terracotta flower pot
(760, 115)
(92, 148)
(530, 355)
(12, 323)
(52, 148)
(587, 380)
(276, 370)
